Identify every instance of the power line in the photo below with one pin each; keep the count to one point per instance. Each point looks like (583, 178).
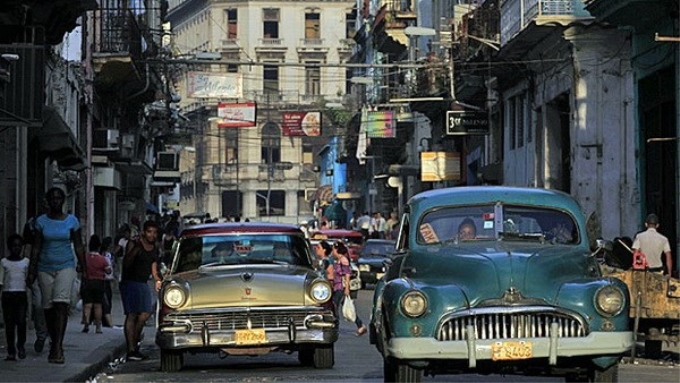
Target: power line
(302, 64)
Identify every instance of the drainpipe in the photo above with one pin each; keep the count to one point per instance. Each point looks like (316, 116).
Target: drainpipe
(89, 94)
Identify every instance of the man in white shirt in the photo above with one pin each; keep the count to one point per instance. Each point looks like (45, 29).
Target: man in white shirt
(652, 244)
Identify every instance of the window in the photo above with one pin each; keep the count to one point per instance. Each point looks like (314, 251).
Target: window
(312, 26)
(350, 24)
(271, 143)
(271, 79)
(270, 17)
(277, 202)
(304, 207)
(232, 24)
(231, 145)
(307, 153)
(312, 79)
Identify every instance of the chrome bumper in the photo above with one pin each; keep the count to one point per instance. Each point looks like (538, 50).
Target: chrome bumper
(188, 335)
(595, 344)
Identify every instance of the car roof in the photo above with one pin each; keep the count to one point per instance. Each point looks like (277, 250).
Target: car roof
(240, 227)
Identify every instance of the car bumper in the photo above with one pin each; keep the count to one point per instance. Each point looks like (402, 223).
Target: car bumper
(595, 344)
(183, 336)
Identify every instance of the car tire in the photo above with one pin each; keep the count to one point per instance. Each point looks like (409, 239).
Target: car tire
(171, 360)
(324, 357)
(395, 371)
(306, 356)
(610, 374)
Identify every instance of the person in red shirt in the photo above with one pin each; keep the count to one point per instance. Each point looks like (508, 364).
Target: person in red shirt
(96, 268)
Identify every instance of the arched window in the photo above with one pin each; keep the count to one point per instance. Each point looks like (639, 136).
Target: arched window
(271, 143)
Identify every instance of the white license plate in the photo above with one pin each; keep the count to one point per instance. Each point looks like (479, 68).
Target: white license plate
(246, 337)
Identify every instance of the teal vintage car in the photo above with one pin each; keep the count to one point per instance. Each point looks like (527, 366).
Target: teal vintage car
(498, 280)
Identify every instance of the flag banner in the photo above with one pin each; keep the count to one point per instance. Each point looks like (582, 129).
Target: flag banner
(301, 124)
(380, 124)
(237, 114)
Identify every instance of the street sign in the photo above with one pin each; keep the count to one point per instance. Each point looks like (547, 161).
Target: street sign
(466, 122)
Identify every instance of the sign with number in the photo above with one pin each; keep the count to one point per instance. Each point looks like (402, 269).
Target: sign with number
(466, 122)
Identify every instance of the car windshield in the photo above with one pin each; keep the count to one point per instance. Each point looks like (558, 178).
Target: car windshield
(377, 249)
(506, 222)
(241, 249)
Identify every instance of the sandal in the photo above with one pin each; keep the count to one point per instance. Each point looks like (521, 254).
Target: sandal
(361, 331)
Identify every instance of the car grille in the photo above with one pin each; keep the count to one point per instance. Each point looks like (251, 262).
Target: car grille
(240, 320)
(508, 325)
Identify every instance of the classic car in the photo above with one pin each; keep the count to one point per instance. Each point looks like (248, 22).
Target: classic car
(524, 295)
(245, 289)
(355, 281)
(372, 258)
(353, 239)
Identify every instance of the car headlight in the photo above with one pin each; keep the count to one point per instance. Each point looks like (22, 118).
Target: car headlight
(609, 300)
(174, 297)
(321, 291)
(414, 304)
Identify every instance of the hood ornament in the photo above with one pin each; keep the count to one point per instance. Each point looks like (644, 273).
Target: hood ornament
(247, 277)
(512, 295)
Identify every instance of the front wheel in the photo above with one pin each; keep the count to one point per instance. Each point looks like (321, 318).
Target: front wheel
(396, 371)
(171, 360)
(324, 357)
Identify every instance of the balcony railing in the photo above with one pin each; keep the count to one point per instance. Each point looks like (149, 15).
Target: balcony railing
(117, 31)
(271, 42)
(313, 42)
(518, 14)
(230, 44)
(233, 174)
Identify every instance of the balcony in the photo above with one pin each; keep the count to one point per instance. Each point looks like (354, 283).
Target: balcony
(526, 22)
(230, 46)
(271, 45)
(517, 15)
(312, 46)
(117, 46)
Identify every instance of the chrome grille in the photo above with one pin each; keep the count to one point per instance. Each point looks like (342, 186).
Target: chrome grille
(226, 321)
(509, 325)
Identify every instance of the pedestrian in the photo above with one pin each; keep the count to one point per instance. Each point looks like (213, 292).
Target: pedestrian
(390, 224)
(107, 250)
(652, 244)
(341, 276)
(378, 226)
(323, 251)
(13, 273)
(364, 223)
(140, 261)
(37, 312)
(94, 288)
(58, 244)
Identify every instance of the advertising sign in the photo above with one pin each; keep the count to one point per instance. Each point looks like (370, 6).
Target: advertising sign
(214, 85)
(466, 122)
(379, 124)
(440, 166)
(237, 114)
(301, 124)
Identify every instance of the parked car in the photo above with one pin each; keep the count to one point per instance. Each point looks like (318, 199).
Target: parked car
(355, 281)
(353, 239)
(372, 258)
(245, 289)
(523, 295)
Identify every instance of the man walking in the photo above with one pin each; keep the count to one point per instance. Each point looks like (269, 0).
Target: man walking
(653, 244)
(140, 261)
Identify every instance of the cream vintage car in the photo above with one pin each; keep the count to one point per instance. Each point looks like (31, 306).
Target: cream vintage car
(245, 289)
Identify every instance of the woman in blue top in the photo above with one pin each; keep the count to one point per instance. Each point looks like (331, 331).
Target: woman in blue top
(54, 263)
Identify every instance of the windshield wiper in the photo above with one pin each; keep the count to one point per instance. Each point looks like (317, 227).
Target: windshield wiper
(538, 236)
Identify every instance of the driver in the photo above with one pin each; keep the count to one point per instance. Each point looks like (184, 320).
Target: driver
(222, 251)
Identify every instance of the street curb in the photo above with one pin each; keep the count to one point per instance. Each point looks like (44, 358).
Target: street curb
(107, 356)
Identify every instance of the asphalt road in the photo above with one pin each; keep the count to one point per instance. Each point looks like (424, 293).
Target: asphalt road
(355, 361)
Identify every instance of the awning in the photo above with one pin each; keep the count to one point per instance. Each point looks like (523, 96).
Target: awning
(56, 140)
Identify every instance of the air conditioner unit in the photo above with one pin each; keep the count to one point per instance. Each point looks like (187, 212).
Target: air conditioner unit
(105, 138)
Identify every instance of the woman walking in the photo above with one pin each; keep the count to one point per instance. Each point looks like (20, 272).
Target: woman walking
(53, 262)
(342, 272)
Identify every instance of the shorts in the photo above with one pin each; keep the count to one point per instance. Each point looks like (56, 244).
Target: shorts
(136, 297)
(56, 286)
(93, 290)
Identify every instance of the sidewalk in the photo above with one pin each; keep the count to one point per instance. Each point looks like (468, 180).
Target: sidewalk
(85, 354)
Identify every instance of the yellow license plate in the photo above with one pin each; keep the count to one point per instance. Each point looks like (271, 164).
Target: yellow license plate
(512, 350)
(255, 336)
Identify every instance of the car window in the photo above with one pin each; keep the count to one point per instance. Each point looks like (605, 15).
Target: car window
(383, 249)
(484, 222)
(240, 249)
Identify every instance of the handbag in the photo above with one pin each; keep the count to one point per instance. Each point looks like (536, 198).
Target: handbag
(349, 312)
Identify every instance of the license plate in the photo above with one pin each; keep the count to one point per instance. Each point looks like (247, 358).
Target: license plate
(512, 350)
(255, 336)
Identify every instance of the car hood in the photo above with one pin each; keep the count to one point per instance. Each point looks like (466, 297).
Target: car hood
(490, 271)
(238, 286)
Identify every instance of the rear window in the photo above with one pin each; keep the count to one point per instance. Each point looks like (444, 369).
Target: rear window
(241, 249)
